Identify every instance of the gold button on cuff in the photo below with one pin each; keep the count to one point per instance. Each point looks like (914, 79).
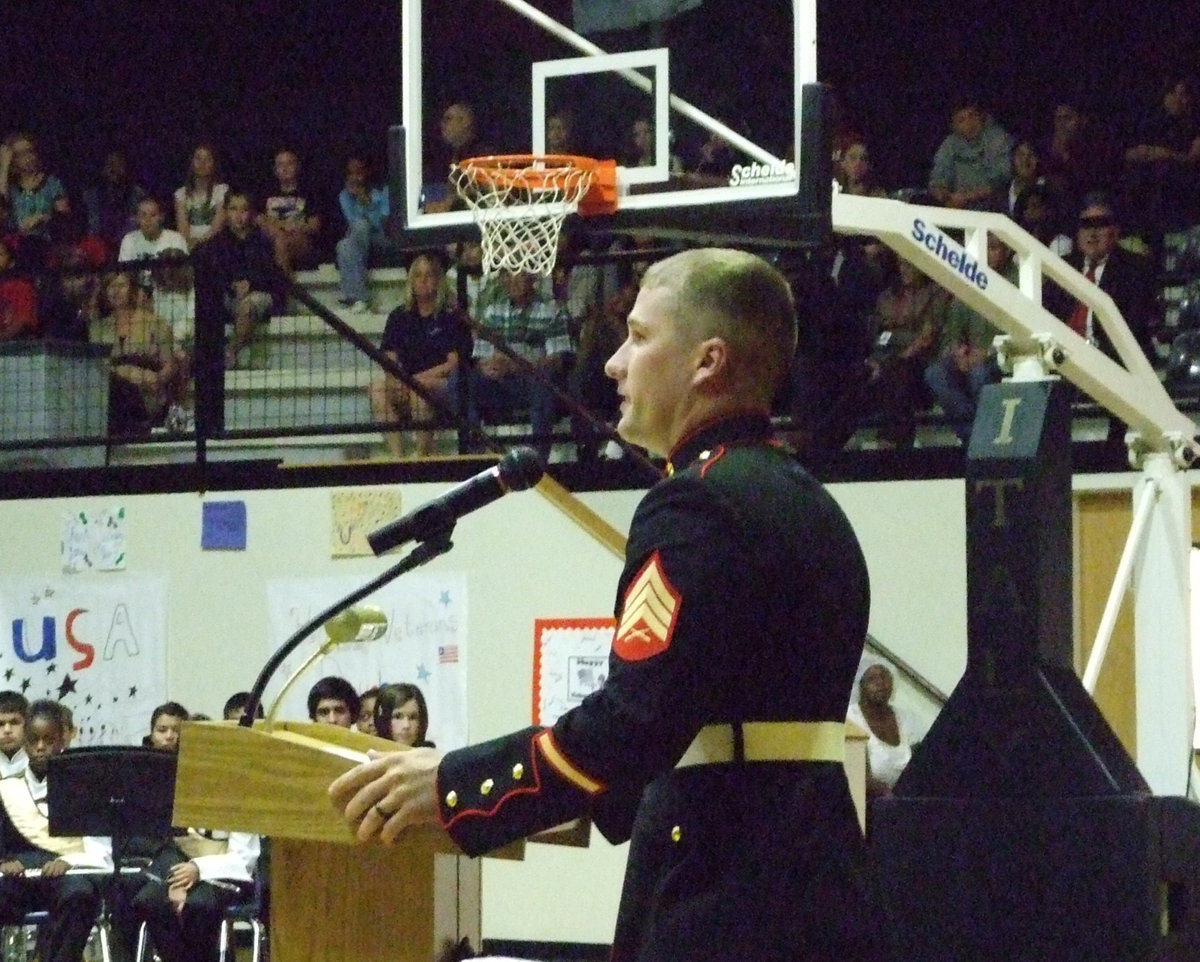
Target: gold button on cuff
(676, 834)
(486, 787)
(451, 799)
(518, 771)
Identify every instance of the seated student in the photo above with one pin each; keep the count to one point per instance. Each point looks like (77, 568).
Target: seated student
(151, 239)
(333, 701)
(73, 901)
(238, 265)
(166, 722)
(365, 210)
(235, 706)
(892, 732)
(401, 715)
(366, 710)
(429, 339)
(189, 884)
(289, 216)
(13, 708)
(18, 299)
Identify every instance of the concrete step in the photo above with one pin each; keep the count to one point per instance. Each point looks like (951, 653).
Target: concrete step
(387, 286)
(297, 397)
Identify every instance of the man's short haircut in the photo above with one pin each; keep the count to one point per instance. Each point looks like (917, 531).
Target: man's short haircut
(50, 709)
(739, 298)
(332, 686)
(1099, 198)
(172, 708)
(14, 702)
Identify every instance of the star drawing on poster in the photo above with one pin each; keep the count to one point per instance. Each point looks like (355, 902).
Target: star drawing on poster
(423, 673)
(66, 687)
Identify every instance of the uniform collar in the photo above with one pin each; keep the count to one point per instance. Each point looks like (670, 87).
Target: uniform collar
(740, 428)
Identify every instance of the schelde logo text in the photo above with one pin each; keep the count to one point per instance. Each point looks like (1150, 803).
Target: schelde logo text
(757, 173)
(950, 254)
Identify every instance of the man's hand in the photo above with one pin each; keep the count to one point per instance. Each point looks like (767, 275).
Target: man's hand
(54, 868)
(12, 867)
(496, 366)
(391, 792)
(183, 875)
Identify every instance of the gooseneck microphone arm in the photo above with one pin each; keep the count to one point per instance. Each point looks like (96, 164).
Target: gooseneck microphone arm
(437, 543)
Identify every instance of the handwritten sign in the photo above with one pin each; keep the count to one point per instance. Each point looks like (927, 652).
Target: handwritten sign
(356, 513)
(93, 540)
(570, 661)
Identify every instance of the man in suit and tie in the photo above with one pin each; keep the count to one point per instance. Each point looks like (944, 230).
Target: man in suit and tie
(1126, 277)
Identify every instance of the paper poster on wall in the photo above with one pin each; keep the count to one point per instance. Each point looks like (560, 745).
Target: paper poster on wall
(425, 644)
(570, 661)
(356, 513)
(93, 540)
(96, 644)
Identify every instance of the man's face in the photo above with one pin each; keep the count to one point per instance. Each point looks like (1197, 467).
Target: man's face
(333, 711)
(165, 733)
(12, 731)
(1067, 122)
(149, 219)
(519, 287)
(876, 685)
(356, 174)
(967, 122)
(458, 125)
(653, 372)
(45, 740)
(1098, 233)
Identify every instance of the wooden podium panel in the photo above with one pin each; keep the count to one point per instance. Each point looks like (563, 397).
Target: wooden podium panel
(333, 899)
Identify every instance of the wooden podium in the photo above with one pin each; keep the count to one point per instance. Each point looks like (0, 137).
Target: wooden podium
(333, 899)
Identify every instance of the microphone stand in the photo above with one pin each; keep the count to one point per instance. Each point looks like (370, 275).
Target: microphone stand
(437, 543)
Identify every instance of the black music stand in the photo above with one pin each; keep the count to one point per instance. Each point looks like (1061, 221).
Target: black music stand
(117, 791)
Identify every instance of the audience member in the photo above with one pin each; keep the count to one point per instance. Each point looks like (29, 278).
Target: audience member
(599, 338)
(366, 710)
(151, 239)
(428, 339)
(852, 168)
(1038, 211)
(166, 723)
(520, 313)
(1026, 172)
(966, 360)
(1079, 156)
(34, 196)
(111, 203)
(235, 706)
(458, 139)
(238, 264)
(971, 167)
(892, 732)
(200, 202)
(143, 356)
(26, 845)
(366, 210)
(1163, 164)
(13, 708)
(68, 305)
(401, 715)
(289, 216)
(1125, 276)
(333, 701)
(18, 299)
(907, 321)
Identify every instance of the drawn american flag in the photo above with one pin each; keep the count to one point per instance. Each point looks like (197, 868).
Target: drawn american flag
(447, 654)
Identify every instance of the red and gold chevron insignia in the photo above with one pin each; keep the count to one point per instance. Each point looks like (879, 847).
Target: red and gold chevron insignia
(649, 614)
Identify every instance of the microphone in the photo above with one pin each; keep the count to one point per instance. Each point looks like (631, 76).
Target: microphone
(521, 468)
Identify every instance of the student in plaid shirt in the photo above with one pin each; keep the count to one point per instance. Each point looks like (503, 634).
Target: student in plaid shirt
(529, 322)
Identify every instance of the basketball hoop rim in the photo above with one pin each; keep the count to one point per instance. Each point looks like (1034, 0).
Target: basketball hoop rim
(519, 170)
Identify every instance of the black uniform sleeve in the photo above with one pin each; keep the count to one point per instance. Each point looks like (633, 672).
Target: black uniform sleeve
(599, 756)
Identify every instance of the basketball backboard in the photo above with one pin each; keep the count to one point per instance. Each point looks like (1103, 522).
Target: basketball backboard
(713, 116)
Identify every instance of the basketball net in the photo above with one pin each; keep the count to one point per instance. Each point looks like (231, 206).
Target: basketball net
(520, 201)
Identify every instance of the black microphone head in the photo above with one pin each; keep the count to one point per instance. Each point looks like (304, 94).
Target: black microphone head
(521, 468)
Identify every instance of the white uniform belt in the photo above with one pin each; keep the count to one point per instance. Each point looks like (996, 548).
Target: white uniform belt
(790, 741)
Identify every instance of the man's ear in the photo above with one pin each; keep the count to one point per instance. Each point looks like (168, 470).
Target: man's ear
(712, 362)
